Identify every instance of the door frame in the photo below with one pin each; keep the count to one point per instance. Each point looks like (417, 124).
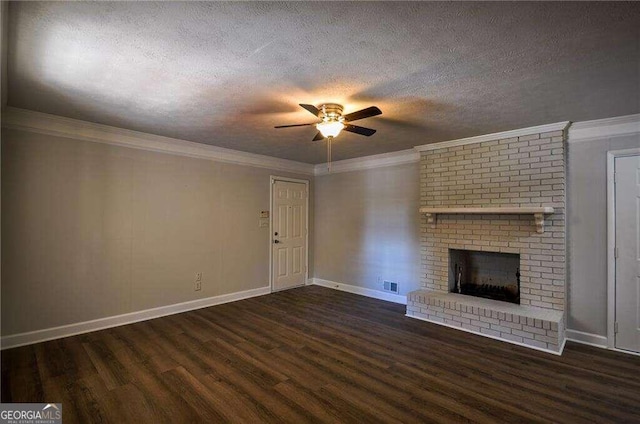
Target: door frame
(611, 244)
(272, 180)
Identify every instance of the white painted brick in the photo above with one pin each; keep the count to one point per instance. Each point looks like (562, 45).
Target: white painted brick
(490, 320)
(511, 325)
(534, 330)
(471, 327)
(546, 339)
(551, 134)
(511, 337)
(462, 320)
(490, 332)
(528, 137)
(501, 328)
(536, 343)
(523, 334)
(480, 324)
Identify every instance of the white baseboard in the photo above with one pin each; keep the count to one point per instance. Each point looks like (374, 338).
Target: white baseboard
(594, 340)
(587, 338)
(22, 339)
(494, 337)
(376, 294)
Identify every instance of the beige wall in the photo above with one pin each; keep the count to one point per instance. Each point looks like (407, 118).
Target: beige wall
(367, 227)
(91, 230)
(587, 225)
(4, 8)
(4, 29)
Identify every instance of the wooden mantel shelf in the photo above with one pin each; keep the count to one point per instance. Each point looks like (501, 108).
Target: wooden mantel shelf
(538, 213)
(494, 211)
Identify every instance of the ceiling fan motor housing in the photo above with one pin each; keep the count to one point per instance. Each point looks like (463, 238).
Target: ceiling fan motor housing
(330, 112)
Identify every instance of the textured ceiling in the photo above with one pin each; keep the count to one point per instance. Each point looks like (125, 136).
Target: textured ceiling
(226, 73)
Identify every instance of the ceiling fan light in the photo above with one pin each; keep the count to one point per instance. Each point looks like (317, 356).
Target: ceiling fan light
(330, 128)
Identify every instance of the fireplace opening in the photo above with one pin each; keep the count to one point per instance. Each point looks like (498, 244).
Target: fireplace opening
(490, 275)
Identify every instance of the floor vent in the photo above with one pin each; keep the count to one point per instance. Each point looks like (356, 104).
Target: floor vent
(390, 286)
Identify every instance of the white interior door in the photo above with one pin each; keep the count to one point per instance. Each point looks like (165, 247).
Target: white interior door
(289, 234)
(627, 207)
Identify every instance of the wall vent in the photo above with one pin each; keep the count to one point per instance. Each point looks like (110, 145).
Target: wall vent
(390, 286)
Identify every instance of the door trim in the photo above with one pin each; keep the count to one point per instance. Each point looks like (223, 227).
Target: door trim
(272, 180)
(611, 244)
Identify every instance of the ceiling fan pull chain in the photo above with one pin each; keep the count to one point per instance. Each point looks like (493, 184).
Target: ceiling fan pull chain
(329, 140)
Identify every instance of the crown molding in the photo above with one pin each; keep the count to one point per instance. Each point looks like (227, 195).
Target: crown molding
(367, 162)
(604, 128)
(558, 126)
(45, 123)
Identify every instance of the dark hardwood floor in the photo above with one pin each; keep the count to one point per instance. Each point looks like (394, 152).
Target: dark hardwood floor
(315, 355)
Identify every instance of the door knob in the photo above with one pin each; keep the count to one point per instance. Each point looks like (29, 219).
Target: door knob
(276, 241)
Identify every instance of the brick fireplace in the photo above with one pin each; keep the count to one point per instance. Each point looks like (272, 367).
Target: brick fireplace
(499, 196)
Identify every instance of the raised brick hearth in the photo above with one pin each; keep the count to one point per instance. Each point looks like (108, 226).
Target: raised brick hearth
(523, 171)
(535, 327)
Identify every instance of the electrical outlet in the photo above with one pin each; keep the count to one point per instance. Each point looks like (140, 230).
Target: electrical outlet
(198, 283)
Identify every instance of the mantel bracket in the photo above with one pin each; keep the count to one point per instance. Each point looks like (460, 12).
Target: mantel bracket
(431, 219)
(539, 219)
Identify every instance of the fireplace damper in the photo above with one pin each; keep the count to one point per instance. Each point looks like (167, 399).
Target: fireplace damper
(490, 275)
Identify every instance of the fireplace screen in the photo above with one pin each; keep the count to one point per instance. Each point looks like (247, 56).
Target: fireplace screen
(491, 275)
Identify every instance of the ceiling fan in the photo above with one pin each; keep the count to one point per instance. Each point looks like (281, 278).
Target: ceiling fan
(332, 122)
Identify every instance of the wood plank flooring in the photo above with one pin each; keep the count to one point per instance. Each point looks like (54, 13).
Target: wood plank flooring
(315, 355)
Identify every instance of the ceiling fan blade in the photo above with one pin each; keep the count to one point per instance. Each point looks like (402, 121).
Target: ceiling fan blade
(361, 114)
(318, 136)
(294, 125)
(311, 108)
(359, 130)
